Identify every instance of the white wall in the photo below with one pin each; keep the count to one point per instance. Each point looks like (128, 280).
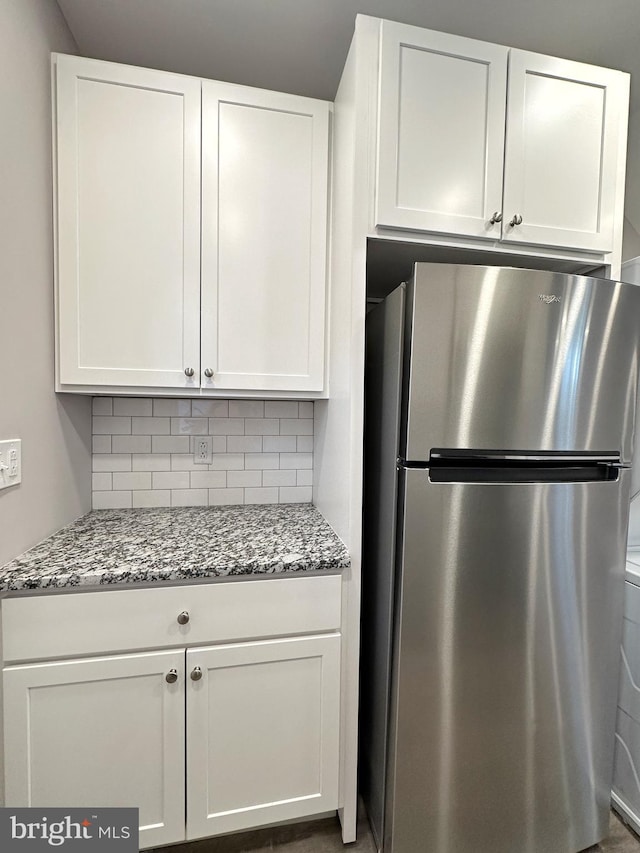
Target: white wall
(55, 430)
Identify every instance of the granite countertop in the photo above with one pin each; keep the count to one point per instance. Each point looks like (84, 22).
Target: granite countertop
(125, 546)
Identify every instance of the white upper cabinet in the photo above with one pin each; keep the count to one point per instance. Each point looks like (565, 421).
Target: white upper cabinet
(565, 121)
(128, 219)
(264, 227)
(445, 109)
(150, 293)
(441, 131)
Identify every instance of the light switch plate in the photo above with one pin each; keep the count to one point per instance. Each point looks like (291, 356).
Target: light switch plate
(10, 462)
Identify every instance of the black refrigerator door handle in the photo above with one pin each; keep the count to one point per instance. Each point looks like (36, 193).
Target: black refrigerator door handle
(518, 473)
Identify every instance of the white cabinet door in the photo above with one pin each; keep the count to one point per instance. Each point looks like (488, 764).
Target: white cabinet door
(264, 239)
(565, 127)
(263, 733)
(99, 732)
(441, 132)
(128, 221)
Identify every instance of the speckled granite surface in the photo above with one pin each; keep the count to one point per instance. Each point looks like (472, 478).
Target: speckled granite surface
(120, 546)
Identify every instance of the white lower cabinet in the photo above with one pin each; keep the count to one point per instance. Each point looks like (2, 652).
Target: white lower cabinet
(245, 733)
(263, 726)
(99, 732)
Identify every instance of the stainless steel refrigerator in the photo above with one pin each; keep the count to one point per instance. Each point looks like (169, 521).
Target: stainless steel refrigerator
(499, 430)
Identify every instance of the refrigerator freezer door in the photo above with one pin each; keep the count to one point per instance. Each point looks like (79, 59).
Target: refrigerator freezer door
(520, 359)
(502, 716)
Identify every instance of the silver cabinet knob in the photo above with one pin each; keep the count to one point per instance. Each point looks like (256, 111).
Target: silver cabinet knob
(208, 372)
(196, 674)
(183, 618)
(517, 220)
(172, 676)
(188, 371)
(497, 217)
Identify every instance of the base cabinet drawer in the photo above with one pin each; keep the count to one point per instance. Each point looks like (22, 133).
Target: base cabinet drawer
(245, 734)
(46, 626)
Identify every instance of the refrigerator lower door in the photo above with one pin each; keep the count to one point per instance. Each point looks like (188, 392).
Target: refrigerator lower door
(505, 666)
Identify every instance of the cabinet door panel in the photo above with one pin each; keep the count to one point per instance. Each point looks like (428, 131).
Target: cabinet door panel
(563, 139)
(99, 732)
(263, 726)
(128, 163)
(441, 132)
(264, 239)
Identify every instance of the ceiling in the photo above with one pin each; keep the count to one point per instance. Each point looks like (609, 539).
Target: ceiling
(300, 46)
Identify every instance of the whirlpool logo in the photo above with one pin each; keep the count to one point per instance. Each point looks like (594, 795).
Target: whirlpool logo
(35, 829)
(548, 298)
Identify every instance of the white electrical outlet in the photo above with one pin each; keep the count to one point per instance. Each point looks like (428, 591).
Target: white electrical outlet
(202, 449)
(10, 463)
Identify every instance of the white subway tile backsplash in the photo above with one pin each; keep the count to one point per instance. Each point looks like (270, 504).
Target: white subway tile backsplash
(244, 444)
(228, 462)
(262, 426)
(143, 452)
(112, 500)
(186, 462)
(106, 425)
(154, 497)
(101, 482)
(305, 410)
(244, 479)
(218, 443)
(210, 408)
(102, 406)
(296, 426)
(172, 408)
(296, 460)
(170, 444)
(281, 409)
(279, 478)
(111, 462)
(132, 480)
(261, 460)
(208, 479)
(279, 444)
(189, 497)
(170, 480)
(131, 444)
(189, 426)
(246, 408)
(295, 494)
(151, 462)
(132, 406)
(261, 496)
(226, 426)
(151, 426)
(222, 497)
(101, 443)
(304, 477)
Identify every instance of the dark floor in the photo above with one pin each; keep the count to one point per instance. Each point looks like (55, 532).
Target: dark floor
(621, 839)
(323, 836)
